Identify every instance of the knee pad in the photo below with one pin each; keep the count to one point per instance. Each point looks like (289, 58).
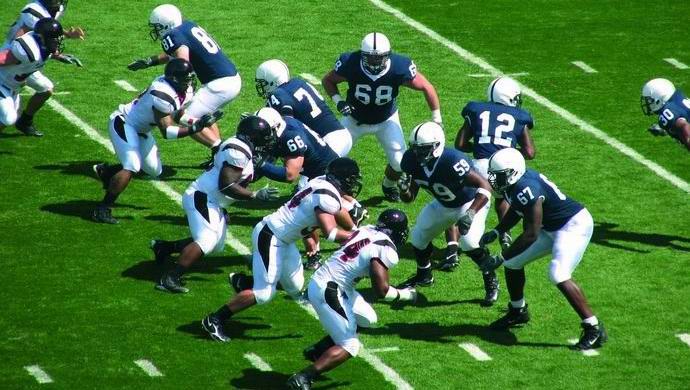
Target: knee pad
(8, 118)
(264, 295)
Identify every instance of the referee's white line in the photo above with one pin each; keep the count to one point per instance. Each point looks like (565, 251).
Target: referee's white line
(586, 68)
(124, 84)
(586, 352)
(149, 368)
(257, 362)
(674, 62)
(310, 78)
(684, 337)
(37, 372)
(565, 114)
(475, 352)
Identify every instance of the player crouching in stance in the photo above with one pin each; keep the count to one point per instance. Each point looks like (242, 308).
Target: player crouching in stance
(370, 251)
(553, 223)
(275, 257)
(460, 195)
(660, 97)
(130, 132)
(216, 189)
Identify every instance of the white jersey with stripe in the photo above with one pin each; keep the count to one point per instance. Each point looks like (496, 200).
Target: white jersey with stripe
(159, 95)
(352, 261)
(297, 218)
(232, 152)
(27, 50)
(30, 14)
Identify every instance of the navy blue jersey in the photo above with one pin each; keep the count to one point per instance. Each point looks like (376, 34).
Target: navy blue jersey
(678, 106)
(301, 100)
(298, 140)
(207, 58)
(557, 208)
(495, 126)
(444, 177)
(374, 96)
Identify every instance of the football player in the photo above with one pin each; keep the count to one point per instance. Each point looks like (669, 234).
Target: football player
(130, 132)
(26, 22)
(553, 223)
(220, 80)
(371, 252)
(216, 189)
(275, 257)
(374, 75)
(24, 57)
(460, 194)
(660, 97)
(299, 99)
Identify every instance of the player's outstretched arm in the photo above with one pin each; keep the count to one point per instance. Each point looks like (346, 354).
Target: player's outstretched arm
(420, 83)
(527, 145)
(229, 184)
(463, 141)
(148, 62)
(170, 130)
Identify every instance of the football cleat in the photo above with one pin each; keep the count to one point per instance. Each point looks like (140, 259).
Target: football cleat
(391, 194)
(450, 262)
(505, 240)
(98, 170)
(104, 215)
(239, 281)
(214, 327)
(418, 279)
(491, 288)
(299, 381)
(160, 252)
(27, 127)
(593, 336)
(313, 261)
(171, 283)
(515, 316)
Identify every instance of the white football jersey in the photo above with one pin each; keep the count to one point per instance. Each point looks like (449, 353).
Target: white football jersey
(30, 14)
(351, 262)
(233, 152)
(297, 218)
(160, 95)
(27, 51)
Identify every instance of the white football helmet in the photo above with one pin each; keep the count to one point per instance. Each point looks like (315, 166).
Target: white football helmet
(274, 119)
(376, 50)
(427, 141)
(270, 75)
(655, 93)
(506, 167)
(163, 19)
(506, 91)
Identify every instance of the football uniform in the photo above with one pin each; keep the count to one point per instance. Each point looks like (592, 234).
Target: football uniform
(27, 50)
(494, 127)
(373, 98)
(203, 201)
(332, 288)
(301, 100)
(130, 126)
(275, 257)
(444, 179)
(220, 81)
(678, 106)
(567, 226)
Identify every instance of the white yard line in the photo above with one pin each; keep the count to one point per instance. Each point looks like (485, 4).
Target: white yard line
(37, 372)
(149, 368)
(124, 84)
(684, 337)
(257, 362)
(586, 352)
(586, 68)
(384, 349)
(676, 63)
(310, 78)
(475, 352)
(486, 75)
(565, 114)
(58, 93)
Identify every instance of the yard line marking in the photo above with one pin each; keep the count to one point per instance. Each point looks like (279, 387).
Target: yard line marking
(59, 93)
(475, 352)
(586, 68)
(684, 337)
(388, 373)
(257, 362)
(124, 84)
(384, 349)
(565, 114)
(586, 352)
(148, 367)
(481, 75)
(676, 63)
(37, 372)
(310, 78)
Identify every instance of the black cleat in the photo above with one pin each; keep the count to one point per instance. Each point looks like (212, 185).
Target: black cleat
(27, 129)
(417, 279)
(171, 283)
(491, 288)
(313, 261)
(214, 327)
(239, 282)
(161, 253)
(299, 381)
(391, 194)
(450, 262)
(104, 215)
(593, 336)
(515, 316)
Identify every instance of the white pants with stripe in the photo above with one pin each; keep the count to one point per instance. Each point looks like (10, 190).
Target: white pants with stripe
(206, 221)
(435, 218)
(389, 134)
(135, 151)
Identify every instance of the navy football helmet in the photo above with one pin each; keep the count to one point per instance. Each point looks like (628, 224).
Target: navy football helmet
(51, 33)
(180, 74)
(344, 174)
(393, 222)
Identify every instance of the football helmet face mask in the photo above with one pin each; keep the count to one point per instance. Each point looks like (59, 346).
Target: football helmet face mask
(344, 174)
(163, 19)
(269, 76)
(256, 132)
(655, 93)
(427, 141)
(506, 91)
(506, 167)
(50, 31)
(376, 51)
(274, 119)
(394, 223)
(180, 75)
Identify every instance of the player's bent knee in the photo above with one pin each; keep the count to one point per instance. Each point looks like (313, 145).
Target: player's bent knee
(352, 346)
(209, 243)
(559, 274)
(264, 295)
(8, 118)
(366, 318)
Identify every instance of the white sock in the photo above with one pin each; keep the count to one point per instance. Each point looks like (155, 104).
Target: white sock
(388, 182)
(591, 321)
(518, 304)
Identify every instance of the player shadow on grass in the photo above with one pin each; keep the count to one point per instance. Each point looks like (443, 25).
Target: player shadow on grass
(84, 208)
(605, 233)
(235, 329)
(149, 271)
(85, 168)
(255, 379)
(233, 218)
(374, 201)
(3, 134)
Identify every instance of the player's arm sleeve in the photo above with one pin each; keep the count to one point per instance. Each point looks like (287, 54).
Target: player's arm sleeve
(406, 162)
(409, 70)
(387, 254)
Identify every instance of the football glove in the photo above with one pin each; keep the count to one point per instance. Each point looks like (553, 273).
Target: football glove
(465, 221)
(70, 59)
(141, 64)
(75, 33)
(488, 238)
(404, 183)
(344, 107)
(266, 194)
(205, 121)
(656, 130)
(358, 213)
(490, 263)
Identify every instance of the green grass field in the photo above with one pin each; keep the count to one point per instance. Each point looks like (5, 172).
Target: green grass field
(77, 297)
